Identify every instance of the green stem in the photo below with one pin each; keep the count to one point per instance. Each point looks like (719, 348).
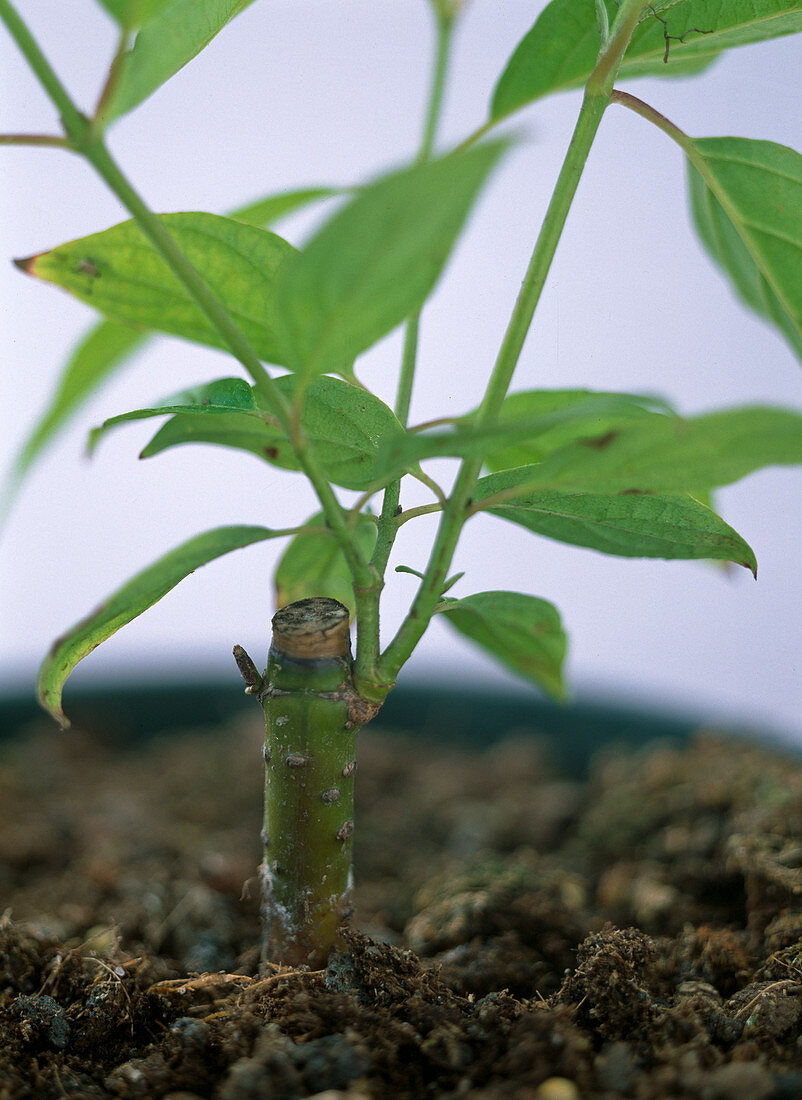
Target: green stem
(51, 141)
(307, 839)
(435, 105)
(477, 134)
(109, 89)
(612, 51)
(653, 116)
(367, 650)
(392, 494)
(590, 116)
(87, 141)
(242, 350)
(603, 76)
(689, 148)
(74, 122)
(438, 422)
(310, 735)
(431, 484)
(403, 398)
(602, 22)
(153, 228)
(413, 513)
(445, 28)
(595, 101)
(238, 344)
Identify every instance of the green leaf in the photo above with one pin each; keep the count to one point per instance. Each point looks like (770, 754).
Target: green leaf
(746, 198)
(133, 13)
(171, 36)
(523, 632)
(671, 454)
(140, 593)
(561, 49)
(377, 259)
(553, 415)
(314, 565)
(109, 345)
(221, 397)
(580, 413)
(271, 208)
(345, 425)
(449, 582)
(119, 273)
(120, 10)
(629, 524)
(105, 348)
(412, 572)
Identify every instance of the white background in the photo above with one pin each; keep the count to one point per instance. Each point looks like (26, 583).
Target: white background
(309, 92)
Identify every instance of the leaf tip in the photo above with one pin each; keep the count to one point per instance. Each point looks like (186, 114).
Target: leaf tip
(749, 563)
(54, 709)
(92, 441)
(26, 263)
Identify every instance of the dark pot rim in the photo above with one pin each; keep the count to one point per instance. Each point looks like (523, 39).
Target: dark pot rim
(125, 714)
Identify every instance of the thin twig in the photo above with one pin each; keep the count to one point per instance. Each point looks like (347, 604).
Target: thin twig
(438, 422)
(109, 89)
(413, 513)
(430, 483)
(51, 141)
(763, 992)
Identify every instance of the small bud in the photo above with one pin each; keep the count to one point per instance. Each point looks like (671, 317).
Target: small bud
(248, 671)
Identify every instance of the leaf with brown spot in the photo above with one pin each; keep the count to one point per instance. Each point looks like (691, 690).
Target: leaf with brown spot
(600, 442)
(634, 523)
(345, 425)
(119, 273)
(677, 454)
(108, 345)
(530, 425)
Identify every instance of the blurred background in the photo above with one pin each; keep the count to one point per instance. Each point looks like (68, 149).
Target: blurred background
(306, 92)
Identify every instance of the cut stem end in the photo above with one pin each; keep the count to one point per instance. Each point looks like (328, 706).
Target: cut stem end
(312, 629)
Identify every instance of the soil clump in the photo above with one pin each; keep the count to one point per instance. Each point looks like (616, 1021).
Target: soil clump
(517, 933)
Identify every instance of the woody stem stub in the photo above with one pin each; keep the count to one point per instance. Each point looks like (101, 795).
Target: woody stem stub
(310, 733)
